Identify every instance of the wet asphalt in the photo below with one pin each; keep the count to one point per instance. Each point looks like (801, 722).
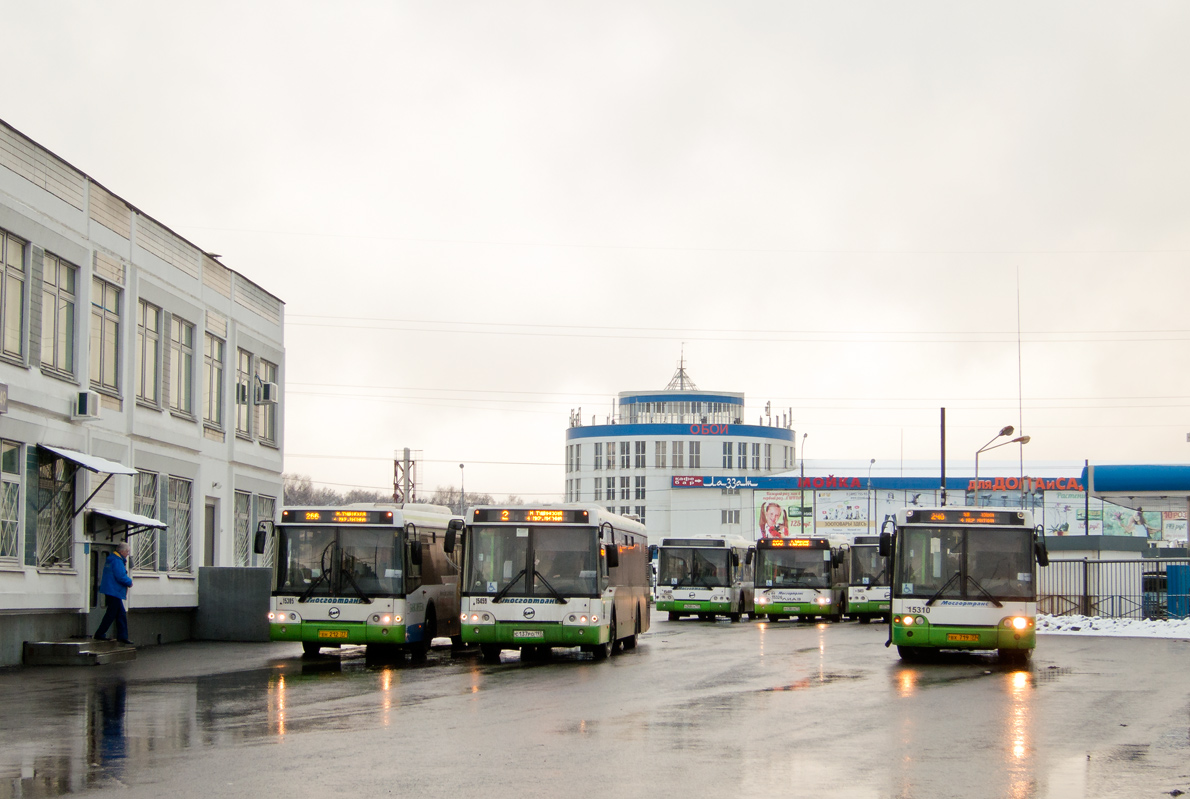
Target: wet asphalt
(697, 709)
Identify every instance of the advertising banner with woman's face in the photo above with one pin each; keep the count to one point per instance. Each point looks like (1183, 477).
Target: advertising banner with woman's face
(779, 514)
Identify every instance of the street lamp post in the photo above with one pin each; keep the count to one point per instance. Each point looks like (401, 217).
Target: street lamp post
(801, 510)
(462, 493)
(1007, 430)
(871, 504)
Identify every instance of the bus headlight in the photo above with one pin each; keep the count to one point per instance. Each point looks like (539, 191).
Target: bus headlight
(282, 617)
(1018, 622)
(763, 600)
(823, 600)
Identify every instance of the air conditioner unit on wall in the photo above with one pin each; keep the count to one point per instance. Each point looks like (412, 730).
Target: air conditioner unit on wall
(267, 393)
(241, 393)
(86, 406)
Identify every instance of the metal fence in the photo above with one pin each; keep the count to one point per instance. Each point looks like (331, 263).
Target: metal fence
(1118, 589)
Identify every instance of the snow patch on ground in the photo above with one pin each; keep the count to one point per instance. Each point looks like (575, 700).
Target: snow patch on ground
(1123, 628)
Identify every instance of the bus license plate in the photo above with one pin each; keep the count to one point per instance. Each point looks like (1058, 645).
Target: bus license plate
(881, 606)
(689, 606)
(332, 633)
(962, 637)
(528, 633)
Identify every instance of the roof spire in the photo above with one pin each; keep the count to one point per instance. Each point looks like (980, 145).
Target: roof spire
(681, 381)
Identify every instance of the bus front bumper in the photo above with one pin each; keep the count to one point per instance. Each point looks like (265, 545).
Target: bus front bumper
(521, 634)
(869, 607)
(336, 634)
(693, 606)
(961, 637)
(794, 609)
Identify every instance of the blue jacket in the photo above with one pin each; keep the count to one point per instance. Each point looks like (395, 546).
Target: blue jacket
(115, 581)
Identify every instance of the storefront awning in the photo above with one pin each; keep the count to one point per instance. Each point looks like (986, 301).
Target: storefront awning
(125, 523)
(1152, 487)
(90, 462)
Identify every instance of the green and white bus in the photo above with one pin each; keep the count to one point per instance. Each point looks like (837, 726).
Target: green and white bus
(868, 583)
(368, 573)
(705, 576)
(964, 578)
(799, 578)
(535, 578)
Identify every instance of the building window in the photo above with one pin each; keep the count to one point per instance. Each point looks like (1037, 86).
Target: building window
(726, 454)
(729, 517)
(639, 461)
(768, 457)
(58, 292)
(10, 500)
(181, 366)
(756, 457)
(727, 492)
(54, 546)
(625, 454)
(266, 412)
(678, 458)
(659, 455)
(105, 335)
(212, 383)
(148, 350)
(611, 454)
(625, 488)
(598, 457)
(611, 490)
(625, 510)
(742, 456)
(144, 501)
(12, 294)
(640, 513)
(243, 527)
(598, 488)
(243, 394)
(695, 454)
(640, 488)
(178, 519)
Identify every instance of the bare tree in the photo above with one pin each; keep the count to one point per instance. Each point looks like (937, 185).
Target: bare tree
(300, 490)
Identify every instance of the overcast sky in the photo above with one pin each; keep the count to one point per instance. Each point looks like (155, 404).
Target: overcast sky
(482, 215)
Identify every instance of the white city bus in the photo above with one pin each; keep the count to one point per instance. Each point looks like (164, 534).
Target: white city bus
(868, 580)
(705, 576)
(799, 578)
(369, 573)
(964, 578)
(541, 577)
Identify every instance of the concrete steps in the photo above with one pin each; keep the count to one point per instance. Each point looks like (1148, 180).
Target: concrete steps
(76, 652)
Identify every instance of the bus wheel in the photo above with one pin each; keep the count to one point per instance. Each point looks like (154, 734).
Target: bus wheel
(911, 654)
(735, 617)
(490, 653)
(429, 629)
(311, 648)
(1014, 657)
(674, 616)
(630, 641)
(864, 619)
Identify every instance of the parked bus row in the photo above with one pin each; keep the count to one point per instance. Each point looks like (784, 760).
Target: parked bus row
(394, 577)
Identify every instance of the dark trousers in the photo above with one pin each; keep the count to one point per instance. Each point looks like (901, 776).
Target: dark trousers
(115, 613)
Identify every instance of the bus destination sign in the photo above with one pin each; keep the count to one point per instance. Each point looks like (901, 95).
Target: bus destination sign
(336, 516)
(795, 543)
(965, 516)
(532, 515)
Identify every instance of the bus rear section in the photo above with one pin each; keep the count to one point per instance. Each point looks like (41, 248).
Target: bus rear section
(868, 580)
(798, 578)
(564, 576)
(705, 577)
(369, 574)
(964, 579)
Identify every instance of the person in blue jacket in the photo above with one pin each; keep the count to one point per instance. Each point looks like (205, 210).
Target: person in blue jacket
(114, 586)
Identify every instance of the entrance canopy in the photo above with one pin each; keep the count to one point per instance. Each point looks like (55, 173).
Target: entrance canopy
(1152, 487)
(91, 462)
(122, 522)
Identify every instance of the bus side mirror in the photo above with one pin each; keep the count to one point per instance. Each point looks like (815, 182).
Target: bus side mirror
(735, 559)
(261, 541)
(748, 558)
(415, 552)
(613, 555)
(886, 545)
(1043, 553)
(453, 528)
(836, 557)
(653, 551)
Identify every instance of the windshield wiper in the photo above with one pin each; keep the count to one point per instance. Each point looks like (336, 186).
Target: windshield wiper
(945, 585)
(322, 574)
(310, 591)
(984, 591)
(561, 599)
(501, 593)
(367, 600)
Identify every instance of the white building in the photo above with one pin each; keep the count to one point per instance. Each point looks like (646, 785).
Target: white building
(630, 464)
(138, 382)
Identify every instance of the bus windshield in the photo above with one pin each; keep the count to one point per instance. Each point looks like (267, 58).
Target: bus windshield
(339, 561)
(693, 567)
(867, 567)
(793, 568)
(985, 563)
(533, 561)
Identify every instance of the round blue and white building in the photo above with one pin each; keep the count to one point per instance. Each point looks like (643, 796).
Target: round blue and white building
(655, 439)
